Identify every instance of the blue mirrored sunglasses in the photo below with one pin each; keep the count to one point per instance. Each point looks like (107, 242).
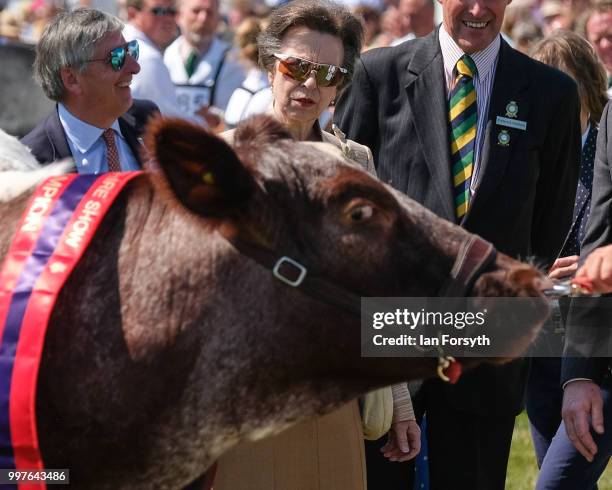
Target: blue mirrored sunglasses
(116, 56)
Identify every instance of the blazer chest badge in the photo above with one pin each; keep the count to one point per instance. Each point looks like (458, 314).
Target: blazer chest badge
(509, 121)
(512, 109)
(503, 138)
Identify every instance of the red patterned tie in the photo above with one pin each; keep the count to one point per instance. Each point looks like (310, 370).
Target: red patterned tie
(111, 151)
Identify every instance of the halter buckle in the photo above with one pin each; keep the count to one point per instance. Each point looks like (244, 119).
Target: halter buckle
(286, 279)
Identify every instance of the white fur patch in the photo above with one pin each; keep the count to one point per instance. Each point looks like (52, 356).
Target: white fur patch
(268, 431)
(14, 155)
(19, 170)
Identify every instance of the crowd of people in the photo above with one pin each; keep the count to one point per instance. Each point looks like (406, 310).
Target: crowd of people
(490, 118)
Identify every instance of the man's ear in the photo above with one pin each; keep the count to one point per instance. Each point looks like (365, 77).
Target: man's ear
(70, 79)
(201, 169)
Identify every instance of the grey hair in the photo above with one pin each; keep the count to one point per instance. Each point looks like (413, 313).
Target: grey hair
(69, 40)
(318, 15)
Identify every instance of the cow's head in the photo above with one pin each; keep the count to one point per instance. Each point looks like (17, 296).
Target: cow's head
(305, 198)
(307, 201)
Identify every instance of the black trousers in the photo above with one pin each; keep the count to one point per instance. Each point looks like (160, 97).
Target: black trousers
(466, 451)
(383, 474)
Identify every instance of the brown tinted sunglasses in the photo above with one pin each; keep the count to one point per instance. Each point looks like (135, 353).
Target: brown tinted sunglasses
(300, 69)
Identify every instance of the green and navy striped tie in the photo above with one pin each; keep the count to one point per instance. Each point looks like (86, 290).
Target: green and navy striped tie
(463, 119)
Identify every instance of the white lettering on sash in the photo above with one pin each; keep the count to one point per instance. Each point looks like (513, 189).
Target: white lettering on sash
(105, 187)
(90, 211)
(83, 222)
(40, 206)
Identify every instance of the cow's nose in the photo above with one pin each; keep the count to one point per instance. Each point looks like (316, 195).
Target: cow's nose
(529, 279)
(524, 275)
(510, 277)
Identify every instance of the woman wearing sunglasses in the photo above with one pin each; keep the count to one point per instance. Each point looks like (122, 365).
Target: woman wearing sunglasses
(308, 50)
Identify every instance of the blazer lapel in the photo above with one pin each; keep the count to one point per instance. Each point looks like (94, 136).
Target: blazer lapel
(509, 85)
(57, 137)
(426, 91)
(127, 123)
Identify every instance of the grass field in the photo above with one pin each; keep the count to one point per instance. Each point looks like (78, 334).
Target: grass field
(522, 468)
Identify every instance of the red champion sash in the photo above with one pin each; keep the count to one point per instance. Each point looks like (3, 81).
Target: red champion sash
(56, 228)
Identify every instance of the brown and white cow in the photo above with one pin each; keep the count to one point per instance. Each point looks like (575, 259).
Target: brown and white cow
(168, 346)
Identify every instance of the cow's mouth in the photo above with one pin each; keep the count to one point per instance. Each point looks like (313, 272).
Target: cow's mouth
(520, 318)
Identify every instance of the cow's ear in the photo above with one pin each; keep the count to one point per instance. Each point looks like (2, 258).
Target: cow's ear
(202, 170)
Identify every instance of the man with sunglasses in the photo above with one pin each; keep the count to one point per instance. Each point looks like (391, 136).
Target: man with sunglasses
(153, 24)
(204, 69)
(489, 139)
(84, 64)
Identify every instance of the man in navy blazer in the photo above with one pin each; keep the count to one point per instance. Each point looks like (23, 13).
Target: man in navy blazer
(521, 197)
(49, 143)
(85, 65)
(580, 451)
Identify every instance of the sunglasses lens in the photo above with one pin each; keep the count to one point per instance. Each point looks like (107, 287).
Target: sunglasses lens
(296, 69)
(326, 76)
(299, 70)
(117, 55)
(161, 11)
(133, 49)
(117, 58)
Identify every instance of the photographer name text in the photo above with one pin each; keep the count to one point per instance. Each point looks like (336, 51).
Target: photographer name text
(425, 341)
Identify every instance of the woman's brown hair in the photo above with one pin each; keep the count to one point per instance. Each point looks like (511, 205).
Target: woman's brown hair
(573, 55)
(318, 15)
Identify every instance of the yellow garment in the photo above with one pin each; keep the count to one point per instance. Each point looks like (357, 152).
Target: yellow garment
(377, 413)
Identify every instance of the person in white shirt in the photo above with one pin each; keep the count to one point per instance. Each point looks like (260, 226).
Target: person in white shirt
(153, 24)
(204, 69)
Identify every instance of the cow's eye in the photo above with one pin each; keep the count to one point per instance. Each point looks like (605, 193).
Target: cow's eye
(362, 213)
